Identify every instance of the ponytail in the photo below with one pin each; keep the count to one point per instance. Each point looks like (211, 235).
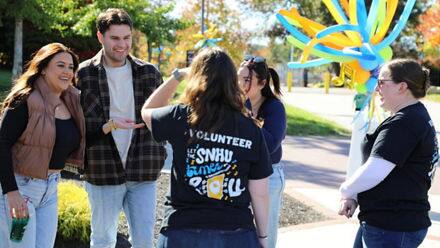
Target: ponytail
(267, 90)
(427, 81)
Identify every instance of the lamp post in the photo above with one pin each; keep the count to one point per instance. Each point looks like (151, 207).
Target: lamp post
(203, 17)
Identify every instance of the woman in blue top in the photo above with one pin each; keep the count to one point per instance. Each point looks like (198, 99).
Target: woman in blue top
(256, 79)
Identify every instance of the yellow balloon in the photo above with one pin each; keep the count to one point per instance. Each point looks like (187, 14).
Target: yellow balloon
(318, 53)
(354, 37)
(311, 28)
(382, 30)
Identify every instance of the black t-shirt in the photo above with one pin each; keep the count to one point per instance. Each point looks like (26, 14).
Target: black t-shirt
(400, 201)
(211, 171)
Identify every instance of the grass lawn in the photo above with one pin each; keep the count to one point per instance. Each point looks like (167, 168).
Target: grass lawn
(300, 122)
(303, 123)
(434, 97)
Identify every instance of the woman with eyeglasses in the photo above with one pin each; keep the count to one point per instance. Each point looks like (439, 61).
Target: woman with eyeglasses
(257, 80)
(399, 160)
(220, 160)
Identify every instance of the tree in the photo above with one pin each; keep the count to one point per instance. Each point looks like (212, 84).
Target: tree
(159, 28)
(43, 14)
(429, 27)
(150, 18)
(223, 20)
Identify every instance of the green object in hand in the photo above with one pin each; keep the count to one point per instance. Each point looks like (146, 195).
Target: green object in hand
(18, 228)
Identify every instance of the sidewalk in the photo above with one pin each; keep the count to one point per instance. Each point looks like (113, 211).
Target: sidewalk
(315, 167)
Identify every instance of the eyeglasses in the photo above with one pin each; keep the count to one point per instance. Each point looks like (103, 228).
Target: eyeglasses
(380, 82)
(255, 59)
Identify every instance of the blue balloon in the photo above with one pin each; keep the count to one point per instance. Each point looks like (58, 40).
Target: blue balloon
(361, 12)
(399, 26)
(305, 39)
(310, 63)
(337, 28)
(372, 15)
(371, 84)
(339, 10)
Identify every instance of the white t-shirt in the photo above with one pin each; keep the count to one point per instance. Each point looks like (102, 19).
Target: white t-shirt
(120, 85)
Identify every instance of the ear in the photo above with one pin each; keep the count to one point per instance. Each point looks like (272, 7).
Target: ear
(262, 83)
(403, 86)
(100, 37)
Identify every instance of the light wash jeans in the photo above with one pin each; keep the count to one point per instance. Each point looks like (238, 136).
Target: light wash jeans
(375, 237)
(276, 188)
(136, 199)
(42, 200)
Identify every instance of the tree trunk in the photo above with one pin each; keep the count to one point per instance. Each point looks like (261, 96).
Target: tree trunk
(158, 59)
(18, 48)
(150, 51)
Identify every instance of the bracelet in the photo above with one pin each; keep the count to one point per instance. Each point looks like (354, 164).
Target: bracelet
(262, 237)
(112, 125)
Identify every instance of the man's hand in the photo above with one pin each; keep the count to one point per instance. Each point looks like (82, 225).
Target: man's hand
(127, 124)
(347, 207)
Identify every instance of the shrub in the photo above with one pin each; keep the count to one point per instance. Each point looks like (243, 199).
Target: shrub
(73, 213)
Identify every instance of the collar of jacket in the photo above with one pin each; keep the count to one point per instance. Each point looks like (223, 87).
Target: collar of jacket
(50, 98)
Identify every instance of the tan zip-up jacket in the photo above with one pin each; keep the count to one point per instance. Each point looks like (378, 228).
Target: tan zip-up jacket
(32, 152)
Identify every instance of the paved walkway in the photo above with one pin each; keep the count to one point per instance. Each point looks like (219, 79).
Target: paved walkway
(315, 167)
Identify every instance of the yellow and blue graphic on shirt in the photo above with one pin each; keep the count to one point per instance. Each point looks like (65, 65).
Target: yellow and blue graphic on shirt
(213, 171)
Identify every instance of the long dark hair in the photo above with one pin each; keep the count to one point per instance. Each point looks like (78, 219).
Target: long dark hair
(212, 90)
(24, 85)
(264, 72)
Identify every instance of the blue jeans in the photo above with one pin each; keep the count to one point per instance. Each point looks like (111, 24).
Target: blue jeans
(203, 238)
(42, 200)
(136, 199)
(374, 237)
(276, 188)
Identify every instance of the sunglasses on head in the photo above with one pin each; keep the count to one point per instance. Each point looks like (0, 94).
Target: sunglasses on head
(255, 59)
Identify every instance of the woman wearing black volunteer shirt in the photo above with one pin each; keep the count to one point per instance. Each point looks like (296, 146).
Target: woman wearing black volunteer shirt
(220, 159)
(399, 162)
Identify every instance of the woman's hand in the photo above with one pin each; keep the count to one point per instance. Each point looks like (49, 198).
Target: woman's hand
(347, 207)
(184, 72)
(263, 242)
(17, 205)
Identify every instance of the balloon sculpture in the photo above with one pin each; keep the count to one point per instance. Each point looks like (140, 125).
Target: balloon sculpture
(358, 42)
(207, 39)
